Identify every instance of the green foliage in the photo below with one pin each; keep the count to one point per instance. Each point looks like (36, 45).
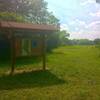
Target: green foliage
(6, 16)
(52, 41)
(81, 42)
(57, 39)
(97, 41)
(63, 36)
(51, 19)
(34, 11)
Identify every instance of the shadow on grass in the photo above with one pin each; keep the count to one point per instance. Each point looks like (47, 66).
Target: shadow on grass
(20, 61)
(29, 80)
(27, 60)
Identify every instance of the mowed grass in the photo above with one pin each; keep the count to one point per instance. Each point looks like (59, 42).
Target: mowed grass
(74, 74)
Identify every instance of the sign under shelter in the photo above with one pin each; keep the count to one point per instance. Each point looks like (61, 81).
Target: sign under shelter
(26, 39)
(27, 45)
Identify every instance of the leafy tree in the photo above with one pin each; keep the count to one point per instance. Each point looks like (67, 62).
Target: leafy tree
(81, 42)
(11, 17)
(97, 43)
(51, 19)
(63, 36)
(57, 39)
(15, 6)
(34, 11)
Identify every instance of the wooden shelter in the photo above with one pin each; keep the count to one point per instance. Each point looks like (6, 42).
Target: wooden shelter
(16, 32)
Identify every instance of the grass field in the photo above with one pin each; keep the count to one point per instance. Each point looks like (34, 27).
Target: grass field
(74, 74)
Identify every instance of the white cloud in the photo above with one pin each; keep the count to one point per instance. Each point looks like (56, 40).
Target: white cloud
(64, 27)
(85, 2)
(94, 24)
(82, 21)
(92, 32)
(84, 30)
(97, 14)
(78, 25)
(77, 22)
(82, 35)
(72, 23)
(77, 29)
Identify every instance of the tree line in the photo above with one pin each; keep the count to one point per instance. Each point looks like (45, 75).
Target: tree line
(82, 42)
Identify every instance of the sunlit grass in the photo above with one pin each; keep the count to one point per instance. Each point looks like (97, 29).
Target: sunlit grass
(74, 74)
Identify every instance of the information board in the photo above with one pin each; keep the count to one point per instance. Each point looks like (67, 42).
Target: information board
(28, 47)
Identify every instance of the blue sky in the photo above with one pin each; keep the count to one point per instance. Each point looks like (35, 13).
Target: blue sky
(81, 18)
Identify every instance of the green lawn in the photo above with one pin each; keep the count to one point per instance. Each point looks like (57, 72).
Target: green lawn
(74, 74)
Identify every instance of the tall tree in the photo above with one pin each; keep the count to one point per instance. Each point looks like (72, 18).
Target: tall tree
(6, 16)
(34, 11)
(63, 37)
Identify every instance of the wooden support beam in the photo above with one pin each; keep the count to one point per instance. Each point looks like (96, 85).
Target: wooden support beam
(44, 51)
(13, 55)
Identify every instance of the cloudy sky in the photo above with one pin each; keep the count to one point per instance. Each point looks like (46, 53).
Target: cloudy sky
(79, 17)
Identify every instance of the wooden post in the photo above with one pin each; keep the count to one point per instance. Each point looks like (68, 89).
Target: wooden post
(44, 51)
(13, 55)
